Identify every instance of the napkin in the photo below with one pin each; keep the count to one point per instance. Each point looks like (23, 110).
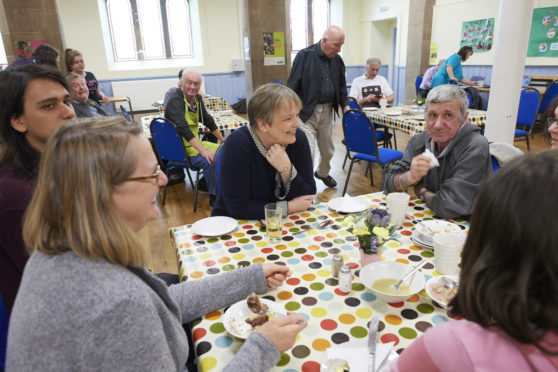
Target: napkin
(356, 354)
(433, 160)
(349, 204)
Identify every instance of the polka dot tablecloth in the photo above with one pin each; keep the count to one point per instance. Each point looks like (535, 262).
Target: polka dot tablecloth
(225, 121)
(411, 126)
(216, 103)
(333, 317)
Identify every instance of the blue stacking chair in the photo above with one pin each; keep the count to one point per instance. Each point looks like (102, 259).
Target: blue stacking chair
(549, 95)
(353, 103)
(418, 82)
(361, 139)
(4, 321)
(126, 114)
(170, 148)
(528, 107)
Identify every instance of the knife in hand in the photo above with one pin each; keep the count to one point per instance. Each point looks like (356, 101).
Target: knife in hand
(372, 334)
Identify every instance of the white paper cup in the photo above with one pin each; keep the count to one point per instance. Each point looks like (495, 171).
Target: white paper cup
(397, 205)
(447, 253)
(480, 83)
(383, 103)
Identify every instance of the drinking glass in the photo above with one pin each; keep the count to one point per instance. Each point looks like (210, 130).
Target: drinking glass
(273, 220)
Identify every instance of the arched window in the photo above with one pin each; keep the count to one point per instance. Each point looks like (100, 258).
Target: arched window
(309, 20)
(149, 29)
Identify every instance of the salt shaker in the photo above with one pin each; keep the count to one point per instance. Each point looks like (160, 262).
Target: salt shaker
(345, 278)
(336, 263)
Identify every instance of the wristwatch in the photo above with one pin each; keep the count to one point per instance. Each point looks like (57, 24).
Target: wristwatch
(421, 194)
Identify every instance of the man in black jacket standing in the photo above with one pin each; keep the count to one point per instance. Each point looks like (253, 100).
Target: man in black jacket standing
(318, 77)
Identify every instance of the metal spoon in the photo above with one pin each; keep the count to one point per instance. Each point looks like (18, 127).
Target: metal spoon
(321, 225)
(448, 283)
(396, 286)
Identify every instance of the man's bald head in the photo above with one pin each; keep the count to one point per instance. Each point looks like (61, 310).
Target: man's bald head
(332, 41)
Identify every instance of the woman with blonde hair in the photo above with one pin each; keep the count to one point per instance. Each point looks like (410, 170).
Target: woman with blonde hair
(74, 63)
(86, 302)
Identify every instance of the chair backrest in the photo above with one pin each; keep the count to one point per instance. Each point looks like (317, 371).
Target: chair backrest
(549, 95)
(469, 97)
(418, 82)
(168, 142)
(495, 164)
(353, 103)
(126, 114)
(477, 78)
(360, 134)
(4, 321)
(528, 107)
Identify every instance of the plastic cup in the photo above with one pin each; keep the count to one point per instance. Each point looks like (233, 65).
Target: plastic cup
(383, 103)
(397, 205)
(273, 221)
(447, 253)
(480, 83)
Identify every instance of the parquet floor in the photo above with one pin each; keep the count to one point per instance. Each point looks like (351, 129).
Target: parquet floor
(178, 209)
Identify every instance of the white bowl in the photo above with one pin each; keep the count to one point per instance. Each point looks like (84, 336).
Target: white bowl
(437, 281)
(437, 227)
(393, 270)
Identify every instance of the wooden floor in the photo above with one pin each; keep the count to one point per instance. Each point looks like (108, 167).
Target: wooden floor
(178, 209)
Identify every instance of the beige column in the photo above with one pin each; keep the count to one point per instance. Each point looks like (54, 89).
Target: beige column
(511, 39)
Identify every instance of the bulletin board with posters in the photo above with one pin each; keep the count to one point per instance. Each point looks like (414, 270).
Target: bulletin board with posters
(542, 39)
(478, 34)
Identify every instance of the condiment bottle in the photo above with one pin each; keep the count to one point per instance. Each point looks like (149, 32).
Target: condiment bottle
(345, 278)
(336, 263)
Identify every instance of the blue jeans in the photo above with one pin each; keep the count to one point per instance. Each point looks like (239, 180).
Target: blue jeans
(199, 161)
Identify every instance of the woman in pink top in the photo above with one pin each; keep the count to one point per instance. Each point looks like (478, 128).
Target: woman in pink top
(508, 293)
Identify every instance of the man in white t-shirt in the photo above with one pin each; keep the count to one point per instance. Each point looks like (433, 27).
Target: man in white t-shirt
(371, 87)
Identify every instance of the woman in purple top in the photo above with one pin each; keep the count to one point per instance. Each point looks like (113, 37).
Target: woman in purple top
(75, 64)
(508, 291)
(34, 102)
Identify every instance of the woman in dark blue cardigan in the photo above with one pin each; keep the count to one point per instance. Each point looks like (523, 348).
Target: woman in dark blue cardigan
(268, 161)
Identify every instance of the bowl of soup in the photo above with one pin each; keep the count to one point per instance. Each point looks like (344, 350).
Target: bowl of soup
(379, 277)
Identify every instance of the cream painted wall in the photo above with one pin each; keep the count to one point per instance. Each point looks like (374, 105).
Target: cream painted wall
(219, 25)
(449, 16)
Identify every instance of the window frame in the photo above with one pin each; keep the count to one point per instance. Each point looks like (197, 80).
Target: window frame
(309, 24)
(196, 59)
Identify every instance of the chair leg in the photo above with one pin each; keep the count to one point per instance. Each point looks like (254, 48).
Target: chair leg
(371, 174)
(345, 161)
(348, 176)
(196, 192)
(394, 138)
(190, 177)
(367, 169)
(528, 147)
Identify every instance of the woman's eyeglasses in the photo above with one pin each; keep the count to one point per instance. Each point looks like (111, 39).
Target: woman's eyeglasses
(155, 175)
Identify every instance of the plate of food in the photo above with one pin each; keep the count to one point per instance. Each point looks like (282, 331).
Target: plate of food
(426, 230)
(244, 316)
(370, 109)
(417, 117)
(442, 289)
(393, 113)
(214, 226)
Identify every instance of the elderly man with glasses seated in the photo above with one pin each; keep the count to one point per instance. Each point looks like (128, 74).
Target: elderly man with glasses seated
(457, 145)
(186, 109)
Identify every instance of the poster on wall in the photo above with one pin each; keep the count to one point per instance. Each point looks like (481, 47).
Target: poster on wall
(542, 39)
(478, 34)
(274, 48)
(433, 52)
(24, 48)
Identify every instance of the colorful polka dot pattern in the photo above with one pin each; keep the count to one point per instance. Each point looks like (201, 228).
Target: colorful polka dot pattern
(333, 317)
(411, 126)
(216, 103)
(224, 122)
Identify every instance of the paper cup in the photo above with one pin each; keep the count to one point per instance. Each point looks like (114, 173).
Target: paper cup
(447, 253)
(383, 103)
(397, 204)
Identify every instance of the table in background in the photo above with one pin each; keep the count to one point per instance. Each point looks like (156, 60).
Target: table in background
(223, 119)
(333, 317)
(406, 124)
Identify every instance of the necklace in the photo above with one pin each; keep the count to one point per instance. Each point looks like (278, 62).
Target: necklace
(192, 107)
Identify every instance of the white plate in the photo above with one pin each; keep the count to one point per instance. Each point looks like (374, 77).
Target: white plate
(384, 367)
(393, 113)
(214, 226)
(435, 280)
(420, 243)
(437, 227)
(370, 109)
(417, 117)
(335, 204)
(234, 318)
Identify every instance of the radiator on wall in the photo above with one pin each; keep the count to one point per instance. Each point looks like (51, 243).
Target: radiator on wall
(143, 93)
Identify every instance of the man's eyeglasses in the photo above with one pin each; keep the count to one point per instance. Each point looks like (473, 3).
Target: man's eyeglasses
(155, 175)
